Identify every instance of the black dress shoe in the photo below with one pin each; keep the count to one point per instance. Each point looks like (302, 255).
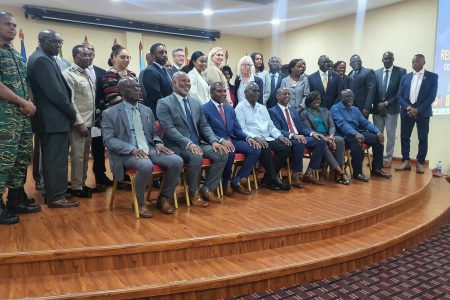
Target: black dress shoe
(104, 181)
(269, 185)
(81, 193)
(361, 177)
(23, 209)
(90, 190)
(282, 185)
(7, 218)
(63, 203)
(381, 173)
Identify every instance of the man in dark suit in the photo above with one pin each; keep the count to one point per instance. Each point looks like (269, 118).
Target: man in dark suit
(275, 80)
(54, 114)
(363, 84)
(287, 120)
(417, 92)
(187, 133)
(156, 79)
(326, 82)
(222, 119)
(130, 134)
(178, 59)
(385, 105)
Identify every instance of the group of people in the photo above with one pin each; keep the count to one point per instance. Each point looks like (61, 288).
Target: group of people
(174, 116)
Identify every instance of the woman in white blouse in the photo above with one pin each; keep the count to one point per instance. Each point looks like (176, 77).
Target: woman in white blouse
(258, 61)
(199, 83)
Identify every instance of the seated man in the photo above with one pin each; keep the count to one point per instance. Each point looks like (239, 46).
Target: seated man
(256, 123)
(187, 132)
(129, 133)
(356, 130)
(287, 120)
(222, 119)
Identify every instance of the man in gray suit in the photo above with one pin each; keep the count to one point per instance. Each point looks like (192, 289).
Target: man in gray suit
(386, 106)
(187, 133)
(129, 133)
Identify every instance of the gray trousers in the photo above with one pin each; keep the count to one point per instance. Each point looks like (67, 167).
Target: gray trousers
(194, 166)
(79, 157)
(172, 164)
(336, 159)
(390, 122)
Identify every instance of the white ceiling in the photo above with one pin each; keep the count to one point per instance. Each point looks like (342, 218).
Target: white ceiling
(234, 17)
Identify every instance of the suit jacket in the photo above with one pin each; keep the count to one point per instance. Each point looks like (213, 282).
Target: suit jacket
(199, 86)
(117, 136)
(392, 91)
(54, 109)
(172, 118)
(259, 82)
(230, 130)
(363, 86)
(156, 85)
(331, 95)
(298, 91)
(277, 116)
(272, 98)
(426, 96)
(308, 120)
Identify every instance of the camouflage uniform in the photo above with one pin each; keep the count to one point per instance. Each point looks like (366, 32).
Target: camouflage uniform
(15, 127)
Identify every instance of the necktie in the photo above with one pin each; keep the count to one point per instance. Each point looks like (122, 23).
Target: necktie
(192, 131)
(222, 113)
(288, 118)
(325, 81)
(272, 84)
(384, 86)
(141, 141)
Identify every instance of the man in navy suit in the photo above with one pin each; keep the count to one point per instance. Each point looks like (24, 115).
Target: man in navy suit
(275, 80)
(417, 92)
(326, 82)
(287, 120)
(222, 119)
(156, 79)
(385, 104)
(363, 84)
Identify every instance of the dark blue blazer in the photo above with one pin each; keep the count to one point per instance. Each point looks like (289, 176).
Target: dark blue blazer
(392, 91)
(231, 130)
(259, 82)
(273, 99)
(331, 95)
(278, 119)
(156, 85)
(426, 97)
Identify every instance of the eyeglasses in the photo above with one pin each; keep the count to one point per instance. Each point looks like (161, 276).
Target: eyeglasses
(247, 65)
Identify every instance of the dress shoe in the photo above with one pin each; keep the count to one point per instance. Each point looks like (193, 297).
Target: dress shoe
(124, 186)
(103, 181)
(7, 218)
(405, 166)
(381, 173)
(23, 209)
(447, 178)
(240, 189)
(16, 202)
(228, 190)
(144, 212)
(164, 204)
(282, 185)
(309, 178)
(419, 168)
(387, 164)
(210, 196)
(81, 193)
(90, 190)
(297, 180)
(269, 185)
(197, 200)
(361, 177)
(63, 203)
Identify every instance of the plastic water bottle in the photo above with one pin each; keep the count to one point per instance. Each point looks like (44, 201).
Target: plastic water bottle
(439, 167)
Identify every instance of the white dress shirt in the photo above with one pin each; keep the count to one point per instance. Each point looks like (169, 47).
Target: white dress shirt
(416, 83)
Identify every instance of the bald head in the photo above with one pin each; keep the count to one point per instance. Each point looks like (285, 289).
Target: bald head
(50, 41)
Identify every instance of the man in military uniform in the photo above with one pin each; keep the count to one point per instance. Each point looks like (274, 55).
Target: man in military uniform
(15, 126)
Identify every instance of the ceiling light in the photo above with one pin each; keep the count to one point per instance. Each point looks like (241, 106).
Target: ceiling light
(275, 22)
(207, 12)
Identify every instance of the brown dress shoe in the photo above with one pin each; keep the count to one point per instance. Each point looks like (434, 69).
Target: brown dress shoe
(405, 166)
(297, 180)
(447, 178)
(240, 189)
(228, 190)
(144, 212)
(207, 195)
(197, 200)
(311, 179)
(419, 168)
(164, 204)
(386, 164)
(63, 203)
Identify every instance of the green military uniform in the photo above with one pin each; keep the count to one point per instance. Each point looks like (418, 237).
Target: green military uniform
(15, 127)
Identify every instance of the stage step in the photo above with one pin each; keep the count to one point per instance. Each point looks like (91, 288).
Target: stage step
(253, 271)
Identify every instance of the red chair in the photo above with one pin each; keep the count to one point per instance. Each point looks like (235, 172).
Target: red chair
(239, 159)
(348, 164)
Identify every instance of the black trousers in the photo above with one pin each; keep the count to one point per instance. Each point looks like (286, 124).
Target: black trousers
(98, 154)
(273, 163)
(357, 153)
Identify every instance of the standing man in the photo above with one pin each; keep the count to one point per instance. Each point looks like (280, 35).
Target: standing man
(83, 99)
(156, 79)
(326, 82)
(54, 115)
(386, 106)
(417, 92)
(130, 134)
(178, 58)
(275, 80)
(222, 119)
(15, 127)
(362, 82)
(187, 133)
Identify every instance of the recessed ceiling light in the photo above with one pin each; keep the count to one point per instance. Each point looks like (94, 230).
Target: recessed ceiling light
(275, 22)
(207, 12)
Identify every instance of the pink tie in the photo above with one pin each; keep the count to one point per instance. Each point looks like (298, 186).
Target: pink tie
(222, 113)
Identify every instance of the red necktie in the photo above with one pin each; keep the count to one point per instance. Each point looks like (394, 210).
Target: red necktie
(288, 118)
(222, 113)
